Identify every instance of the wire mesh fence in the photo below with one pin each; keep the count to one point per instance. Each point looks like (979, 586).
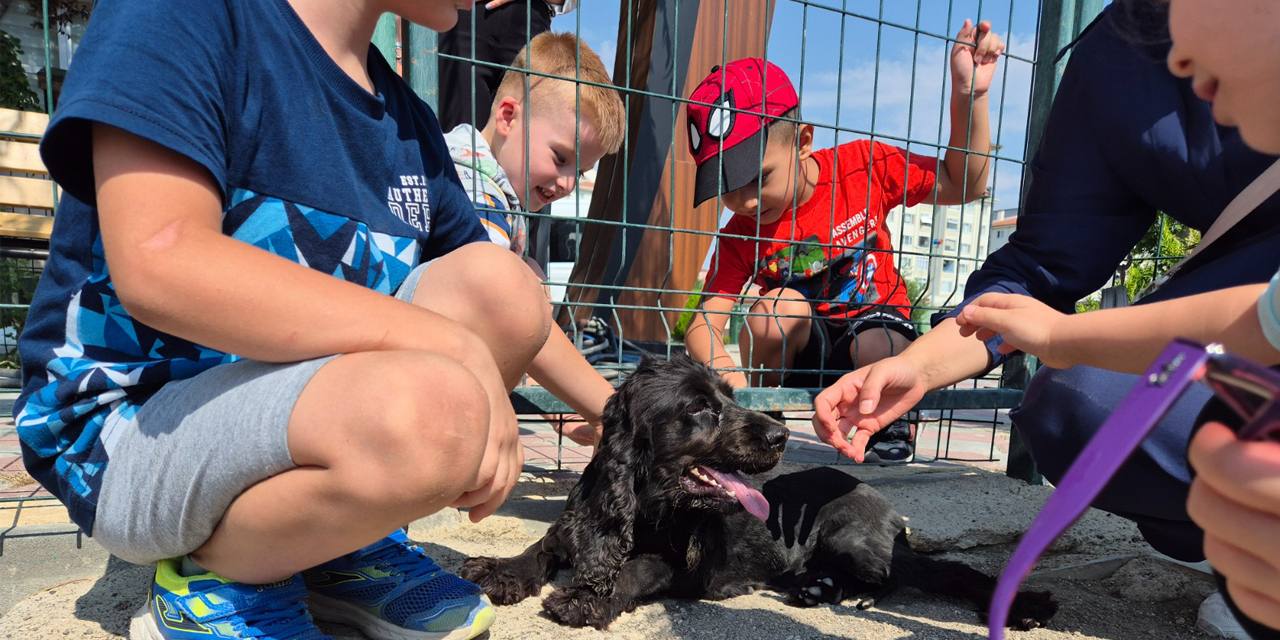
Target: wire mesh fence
(627, 255)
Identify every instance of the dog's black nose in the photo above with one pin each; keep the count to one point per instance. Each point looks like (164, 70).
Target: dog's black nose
(776, 437)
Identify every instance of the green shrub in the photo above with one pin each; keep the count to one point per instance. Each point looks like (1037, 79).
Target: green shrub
(15, 91)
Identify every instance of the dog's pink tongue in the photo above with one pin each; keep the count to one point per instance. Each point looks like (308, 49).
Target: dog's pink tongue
(753, 501)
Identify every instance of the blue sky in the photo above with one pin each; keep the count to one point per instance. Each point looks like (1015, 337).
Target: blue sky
(901, 91)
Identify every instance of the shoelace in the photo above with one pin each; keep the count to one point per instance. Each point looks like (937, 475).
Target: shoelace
(414, 565)
(285, 619)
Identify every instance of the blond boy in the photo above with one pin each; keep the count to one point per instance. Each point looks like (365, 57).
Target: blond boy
(539, 137)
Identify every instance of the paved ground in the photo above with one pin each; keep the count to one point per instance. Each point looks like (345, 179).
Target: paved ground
(54, 583)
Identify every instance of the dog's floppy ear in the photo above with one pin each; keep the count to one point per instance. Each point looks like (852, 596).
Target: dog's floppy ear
(600, 515)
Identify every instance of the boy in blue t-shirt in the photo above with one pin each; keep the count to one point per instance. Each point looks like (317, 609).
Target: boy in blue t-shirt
(510, 166)
(218, 378)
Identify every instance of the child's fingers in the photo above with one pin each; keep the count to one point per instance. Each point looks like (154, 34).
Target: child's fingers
(869, 394)
(1246, 567)
(835, 436)
(1243, 472)
(830, 403)
(989, 49)
(965, 36)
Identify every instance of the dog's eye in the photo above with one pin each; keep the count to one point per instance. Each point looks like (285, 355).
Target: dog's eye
(697, 406)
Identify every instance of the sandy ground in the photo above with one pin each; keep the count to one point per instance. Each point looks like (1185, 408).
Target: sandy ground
(1101, 573)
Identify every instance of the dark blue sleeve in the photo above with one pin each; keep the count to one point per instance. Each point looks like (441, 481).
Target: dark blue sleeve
(152, 68)
(1123, 140)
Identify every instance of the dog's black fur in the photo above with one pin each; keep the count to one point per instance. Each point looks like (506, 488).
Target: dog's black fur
(641, 524)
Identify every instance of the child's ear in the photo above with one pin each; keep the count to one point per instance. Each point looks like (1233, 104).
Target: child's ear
(506, 114)
(804, 142)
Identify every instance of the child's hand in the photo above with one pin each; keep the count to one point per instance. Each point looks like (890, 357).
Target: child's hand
(868, 399)
(1025, 324)
(973, 59)
(500, 467)
(1235, 498)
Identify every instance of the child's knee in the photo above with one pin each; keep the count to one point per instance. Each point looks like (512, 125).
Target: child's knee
(779, 306)
(507, 292)
(875, 345)
(425, 440)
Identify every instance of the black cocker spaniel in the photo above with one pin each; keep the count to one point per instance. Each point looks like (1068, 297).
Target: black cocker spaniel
(663, 510)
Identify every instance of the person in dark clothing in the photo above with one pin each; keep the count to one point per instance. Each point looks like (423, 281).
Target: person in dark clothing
(1125, 139)
(501, 29)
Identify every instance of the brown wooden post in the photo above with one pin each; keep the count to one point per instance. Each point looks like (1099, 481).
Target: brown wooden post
(683, 39)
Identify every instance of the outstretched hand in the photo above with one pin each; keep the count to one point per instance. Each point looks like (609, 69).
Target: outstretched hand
(864, 402)
(973, 58)
(502, 461)
(1235, 498)
(1025, 324)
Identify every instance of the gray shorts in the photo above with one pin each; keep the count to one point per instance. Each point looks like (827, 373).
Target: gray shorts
(193, 447)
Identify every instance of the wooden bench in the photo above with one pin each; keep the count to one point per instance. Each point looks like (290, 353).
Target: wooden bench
(24, 234)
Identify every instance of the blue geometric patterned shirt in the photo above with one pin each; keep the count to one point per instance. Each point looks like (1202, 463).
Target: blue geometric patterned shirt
(312, 167)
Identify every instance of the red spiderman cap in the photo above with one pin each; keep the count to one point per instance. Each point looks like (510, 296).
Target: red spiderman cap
(717, 131)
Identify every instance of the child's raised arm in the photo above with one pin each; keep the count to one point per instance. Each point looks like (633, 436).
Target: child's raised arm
(973, 64)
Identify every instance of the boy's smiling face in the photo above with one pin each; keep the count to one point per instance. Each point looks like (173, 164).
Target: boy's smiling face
(1231, 53)
(778, 187)
(556, 151)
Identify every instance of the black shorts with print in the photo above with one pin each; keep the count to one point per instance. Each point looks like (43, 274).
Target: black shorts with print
(829, 342)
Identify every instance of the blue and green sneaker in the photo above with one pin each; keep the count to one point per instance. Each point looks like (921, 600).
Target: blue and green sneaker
(392, 590)
(210, 606)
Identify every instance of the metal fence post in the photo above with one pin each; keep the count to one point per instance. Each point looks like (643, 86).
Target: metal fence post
(420, 63)
(384, 38)
(1061, 22)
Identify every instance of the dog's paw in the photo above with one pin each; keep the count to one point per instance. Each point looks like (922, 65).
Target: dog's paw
(579, 607)
(501, 586)
(812, 590)
(1032, 609)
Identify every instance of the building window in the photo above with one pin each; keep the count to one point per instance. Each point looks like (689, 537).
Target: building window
(949, 245)
(922, 264)
(966, 248)
(948, 266)
(948, 286)
(964, 269)
(908, 218)
(952, 225)
(968, 228)
(922, 241)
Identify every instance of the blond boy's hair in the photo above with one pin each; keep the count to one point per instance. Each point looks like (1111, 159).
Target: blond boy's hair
(556, 54)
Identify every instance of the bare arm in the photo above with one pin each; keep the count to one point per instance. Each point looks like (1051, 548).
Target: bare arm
(174, 270)
(1125, 339)
(704, 338)
(964, 175)
(564, 372)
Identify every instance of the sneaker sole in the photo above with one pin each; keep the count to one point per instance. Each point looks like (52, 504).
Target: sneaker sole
(333, 610)
(143, 625)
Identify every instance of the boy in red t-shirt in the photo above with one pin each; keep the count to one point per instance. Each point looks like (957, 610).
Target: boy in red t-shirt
(809, 227)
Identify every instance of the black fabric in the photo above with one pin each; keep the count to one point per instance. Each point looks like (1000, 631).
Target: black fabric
(741, 165)
(500, 34)
(828, 346)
